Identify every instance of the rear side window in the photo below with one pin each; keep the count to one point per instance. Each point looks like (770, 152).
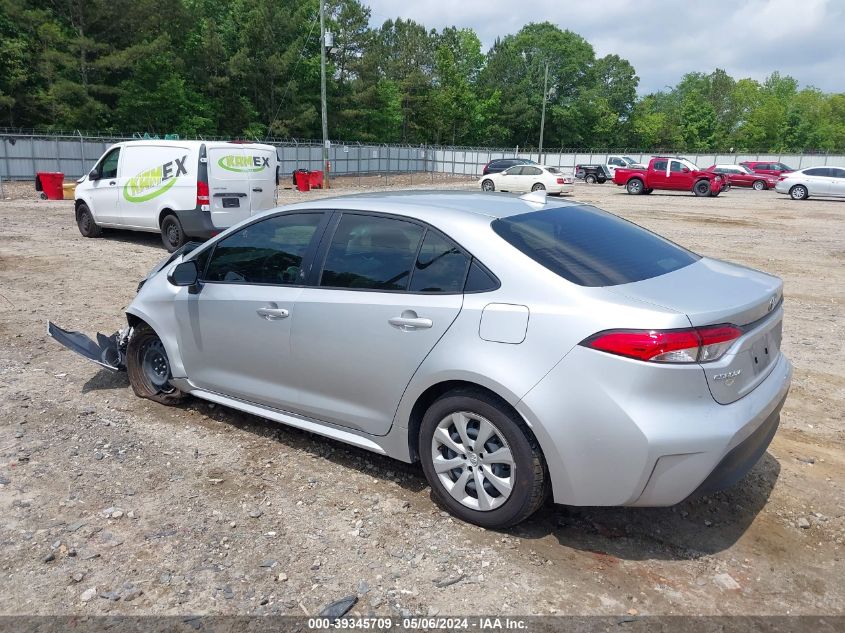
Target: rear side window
(659, 165)
(590, 247)
(440, 267)
(818, 171)
(266, 252)
(370, 252)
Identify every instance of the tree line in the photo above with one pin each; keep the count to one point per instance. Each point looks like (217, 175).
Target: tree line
(250, 69)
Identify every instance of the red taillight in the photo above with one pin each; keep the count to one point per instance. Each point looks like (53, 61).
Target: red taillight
(202, 193)
(561, 181)
(693, 345)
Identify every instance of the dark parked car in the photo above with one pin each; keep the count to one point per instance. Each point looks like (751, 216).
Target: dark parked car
(501, 164)
(593, 173)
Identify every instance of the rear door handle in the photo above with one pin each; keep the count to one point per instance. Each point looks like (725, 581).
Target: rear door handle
(258, 189)
(272, 314)
(410, 321)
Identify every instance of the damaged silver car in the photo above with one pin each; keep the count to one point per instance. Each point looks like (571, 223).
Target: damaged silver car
(518, 348)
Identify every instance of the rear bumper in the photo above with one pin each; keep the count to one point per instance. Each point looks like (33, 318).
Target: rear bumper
(197, 223)
(617, 432)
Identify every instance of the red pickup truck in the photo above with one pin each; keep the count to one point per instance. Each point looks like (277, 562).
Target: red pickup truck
(670, 173)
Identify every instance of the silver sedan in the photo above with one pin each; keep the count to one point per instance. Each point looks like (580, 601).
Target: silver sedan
(519, 348)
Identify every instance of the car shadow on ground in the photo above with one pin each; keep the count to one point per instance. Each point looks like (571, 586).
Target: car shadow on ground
(141, 238)
(689, 530)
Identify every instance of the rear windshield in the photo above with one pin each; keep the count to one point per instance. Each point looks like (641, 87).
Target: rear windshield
(591, 247)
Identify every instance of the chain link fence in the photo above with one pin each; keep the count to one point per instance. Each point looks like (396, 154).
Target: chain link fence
(23, 153)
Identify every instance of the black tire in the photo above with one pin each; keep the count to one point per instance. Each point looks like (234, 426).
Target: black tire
(759, 185)
(530, 483)
(799, 192)
(149, 368)
(42, 195)
(487, 185)
(701, 188)
(538, 186)
(172, 234)
(635, 186)
(647, 191)
(85, 222)
(590, 178)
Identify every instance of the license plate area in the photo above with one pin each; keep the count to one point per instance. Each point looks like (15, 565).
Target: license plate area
(231, 203)
(763, 352)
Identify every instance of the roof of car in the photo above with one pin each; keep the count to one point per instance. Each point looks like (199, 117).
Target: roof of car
(424, 204)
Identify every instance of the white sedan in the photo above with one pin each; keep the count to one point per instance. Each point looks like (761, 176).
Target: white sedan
(529, 178)
(813, 181)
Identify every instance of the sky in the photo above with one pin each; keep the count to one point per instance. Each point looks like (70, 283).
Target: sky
(664, 39)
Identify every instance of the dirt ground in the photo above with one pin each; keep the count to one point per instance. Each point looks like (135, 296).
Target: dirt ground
(112, 504)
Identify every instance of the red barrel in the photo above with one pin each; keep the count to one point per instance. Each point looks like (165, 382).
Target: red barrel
(49, 183)
(302, 181)
(316, 179)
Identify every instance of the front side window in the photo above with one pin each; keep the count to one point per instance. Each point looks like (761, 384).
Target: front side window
(440, 267)
(675, 166)
(590, 247)
(783, 167)
(818, 171)
(371, 252)
(266, 252)
(108, 168)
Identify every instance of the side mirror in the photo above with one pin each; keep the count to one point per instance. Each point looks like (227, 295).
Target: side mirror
(185, 274)
(686, 170)
(94, 174)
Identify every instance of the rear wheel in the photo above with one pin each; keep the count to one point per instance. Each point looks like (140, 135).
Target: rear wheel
(759, 185)
(635, 186)
(85, 222)
(487, 185)
(590, 178)
(484, 465)
(172, 234)
(149, 368)
(799, 192)
(538, 186)
(701, 188)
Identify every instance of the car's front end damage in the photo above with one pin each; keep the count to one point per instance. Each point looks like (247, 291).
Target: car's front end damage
(110, 351)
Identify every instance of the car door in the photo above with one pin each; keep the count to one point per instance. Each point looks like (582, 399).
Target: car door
(510, 178)
(658, 176)
(529, 176)
(680, 176)
(837, 182)
(262, 178)
(388, 290)
(818, 181)
(105, 190)
(229, 183)
(235, 331)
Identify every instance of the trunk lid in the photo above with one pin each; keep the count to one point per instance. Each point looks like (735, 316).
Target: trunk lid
(711, 292)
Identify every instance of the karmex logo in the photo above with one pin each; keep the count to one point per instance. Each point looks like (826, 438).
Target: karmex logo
(231, 162)
(154, 182)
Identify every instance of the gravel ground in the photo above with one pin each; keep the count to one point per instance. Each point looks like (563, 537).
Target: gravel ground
(112, 504)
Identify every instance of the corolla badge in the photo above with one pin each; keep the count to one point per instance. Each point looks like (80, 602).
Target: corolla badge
(728, 377)
(243, 163)
(154, 182)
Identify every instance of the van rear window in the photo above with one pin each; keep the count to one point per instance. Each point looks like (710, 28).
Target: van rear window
(591, 247)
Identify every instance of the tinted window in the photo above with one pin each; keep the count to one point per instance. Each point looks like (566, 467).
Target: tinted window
(659, 165)
(783, 167)
(817, 171)
(479, 280)
(371, 252)
(515, 171)
(531, 171)
(837, 173)
(676, 166)
(108, 168)
(440, 267)
(267, 252)
(590, 247)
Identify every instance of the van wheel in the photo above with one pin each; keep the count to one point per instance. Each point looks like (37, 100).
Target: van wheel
(483, 463)
(85, 222)
(701, 188)
(172, 234)
(149, 368)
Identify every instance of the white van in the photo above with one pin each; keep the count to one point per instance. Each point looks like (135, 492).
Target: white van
(181, 189)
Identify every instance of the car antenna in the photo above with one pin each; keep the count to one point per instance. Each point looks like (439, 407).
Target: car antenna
(537, 197)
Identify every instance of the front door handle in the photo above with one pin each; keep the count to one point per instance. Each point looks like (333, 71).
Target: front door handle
(272, 314)
(258, 189)
(410, 321)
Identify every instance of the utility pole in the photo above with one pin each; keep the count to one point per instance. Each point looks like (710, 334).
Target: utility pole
(543, 115)
(323, 96)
